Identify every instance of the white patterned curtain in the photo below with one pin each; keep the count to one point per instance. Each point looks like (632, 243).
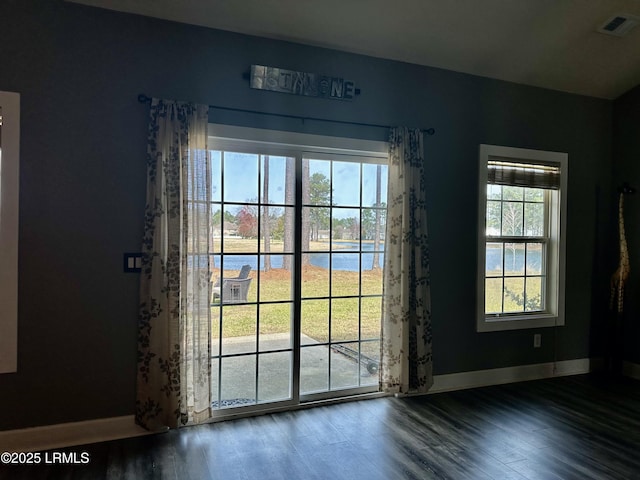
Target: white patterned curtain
(406, 355)
(173, 384)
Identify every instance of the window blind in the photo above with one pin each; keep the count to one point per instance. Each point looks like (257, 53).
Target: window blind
(532, 175)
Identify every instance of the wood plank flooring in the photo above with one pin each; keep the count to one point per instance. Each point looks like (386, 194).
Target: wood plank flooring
(582, 427)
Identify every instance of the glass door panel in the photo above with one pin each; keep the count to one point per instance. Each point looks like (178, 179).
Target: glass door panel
(339, 335)
(252, 290)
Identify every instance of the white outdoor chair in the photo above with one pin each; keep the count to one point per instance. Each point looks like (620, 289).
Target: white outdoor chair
(233, 290)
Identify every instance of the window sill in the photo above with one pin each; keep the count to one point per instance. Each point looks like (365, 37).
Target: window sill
(518, 322)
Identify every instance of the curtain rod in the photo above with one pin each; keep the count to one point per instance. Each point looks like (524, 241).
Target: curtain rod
(142, 98)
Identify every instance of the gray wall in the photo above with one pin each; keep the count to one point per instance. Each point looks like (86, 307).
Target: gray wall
(79, 71)
(627, 169)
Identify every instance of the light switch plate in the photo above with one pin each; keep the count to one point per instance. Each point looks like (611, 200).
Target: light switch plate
(132, 262)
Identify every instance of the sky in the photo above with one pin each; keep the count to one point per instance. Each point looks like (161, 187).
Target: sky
(241, 179)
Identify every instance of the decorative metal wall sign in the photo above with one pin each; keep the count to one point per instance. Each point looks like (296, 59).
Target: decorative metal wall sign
(301, 83)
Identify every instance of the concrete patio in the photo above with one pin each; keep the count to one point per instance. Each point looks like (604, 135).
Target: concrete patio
(239, 373)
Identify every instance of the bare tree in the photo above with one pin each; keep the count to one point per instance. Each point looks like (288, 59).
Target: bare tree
(319, 194)
(305, 211)
(512, 225)
(266, 221)
(289, 198)
(376, 236)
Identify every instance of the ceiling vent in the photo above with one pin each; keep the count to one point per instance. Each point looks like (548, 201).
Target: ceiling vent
(619, 25)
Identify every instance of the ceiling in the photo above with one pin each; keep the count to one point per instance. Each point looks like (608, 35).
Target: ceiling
(545, 43)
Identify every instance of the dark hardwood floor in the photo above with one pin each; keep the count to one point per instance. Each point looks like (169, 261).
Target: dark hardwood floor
(582, 427)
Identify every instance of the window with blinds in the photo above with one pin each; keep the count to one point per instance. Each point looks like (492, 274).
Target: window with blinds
(513, 173)
(519, 237)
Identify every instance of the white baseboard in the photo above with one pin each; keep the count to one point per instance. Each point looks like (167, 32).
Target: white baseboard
(631, 370)
(521, 373)
(69, 434)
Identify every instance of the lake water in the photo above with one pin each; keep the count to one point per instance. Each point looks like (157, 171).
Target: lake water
(346, 258)
(514, 262)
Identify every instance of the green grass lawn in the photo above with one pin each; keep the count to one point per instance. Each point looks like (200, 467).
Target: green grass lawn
(348, 315)
(514, 294)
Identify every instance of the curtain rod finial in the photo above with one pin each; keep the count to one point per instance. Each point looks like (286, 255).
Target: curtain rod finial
(142, 98)
(430, 131)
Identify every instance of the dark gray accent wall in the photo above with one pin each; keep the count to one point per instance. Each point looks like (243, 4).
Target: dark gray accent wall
(626, 159)
(79, 70)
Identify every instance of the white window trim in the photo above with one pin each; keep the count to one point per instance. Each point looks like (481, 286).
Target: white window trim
(555, 292)
(9, 184)
(278, 141)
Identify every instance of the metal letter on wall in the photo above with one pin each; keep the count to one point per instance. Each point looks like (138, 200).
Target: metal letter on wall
(301, 83)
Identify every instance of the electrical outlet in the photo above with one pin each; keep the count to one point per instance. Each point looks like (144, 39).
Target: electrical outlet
(537, 340)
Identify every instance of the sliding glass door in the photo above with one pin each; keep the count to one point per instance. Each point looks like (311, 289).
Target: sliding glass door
(296, 272)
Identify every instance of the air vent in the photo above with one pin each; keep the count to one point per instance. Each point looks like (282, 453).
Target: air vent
(619, 25)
